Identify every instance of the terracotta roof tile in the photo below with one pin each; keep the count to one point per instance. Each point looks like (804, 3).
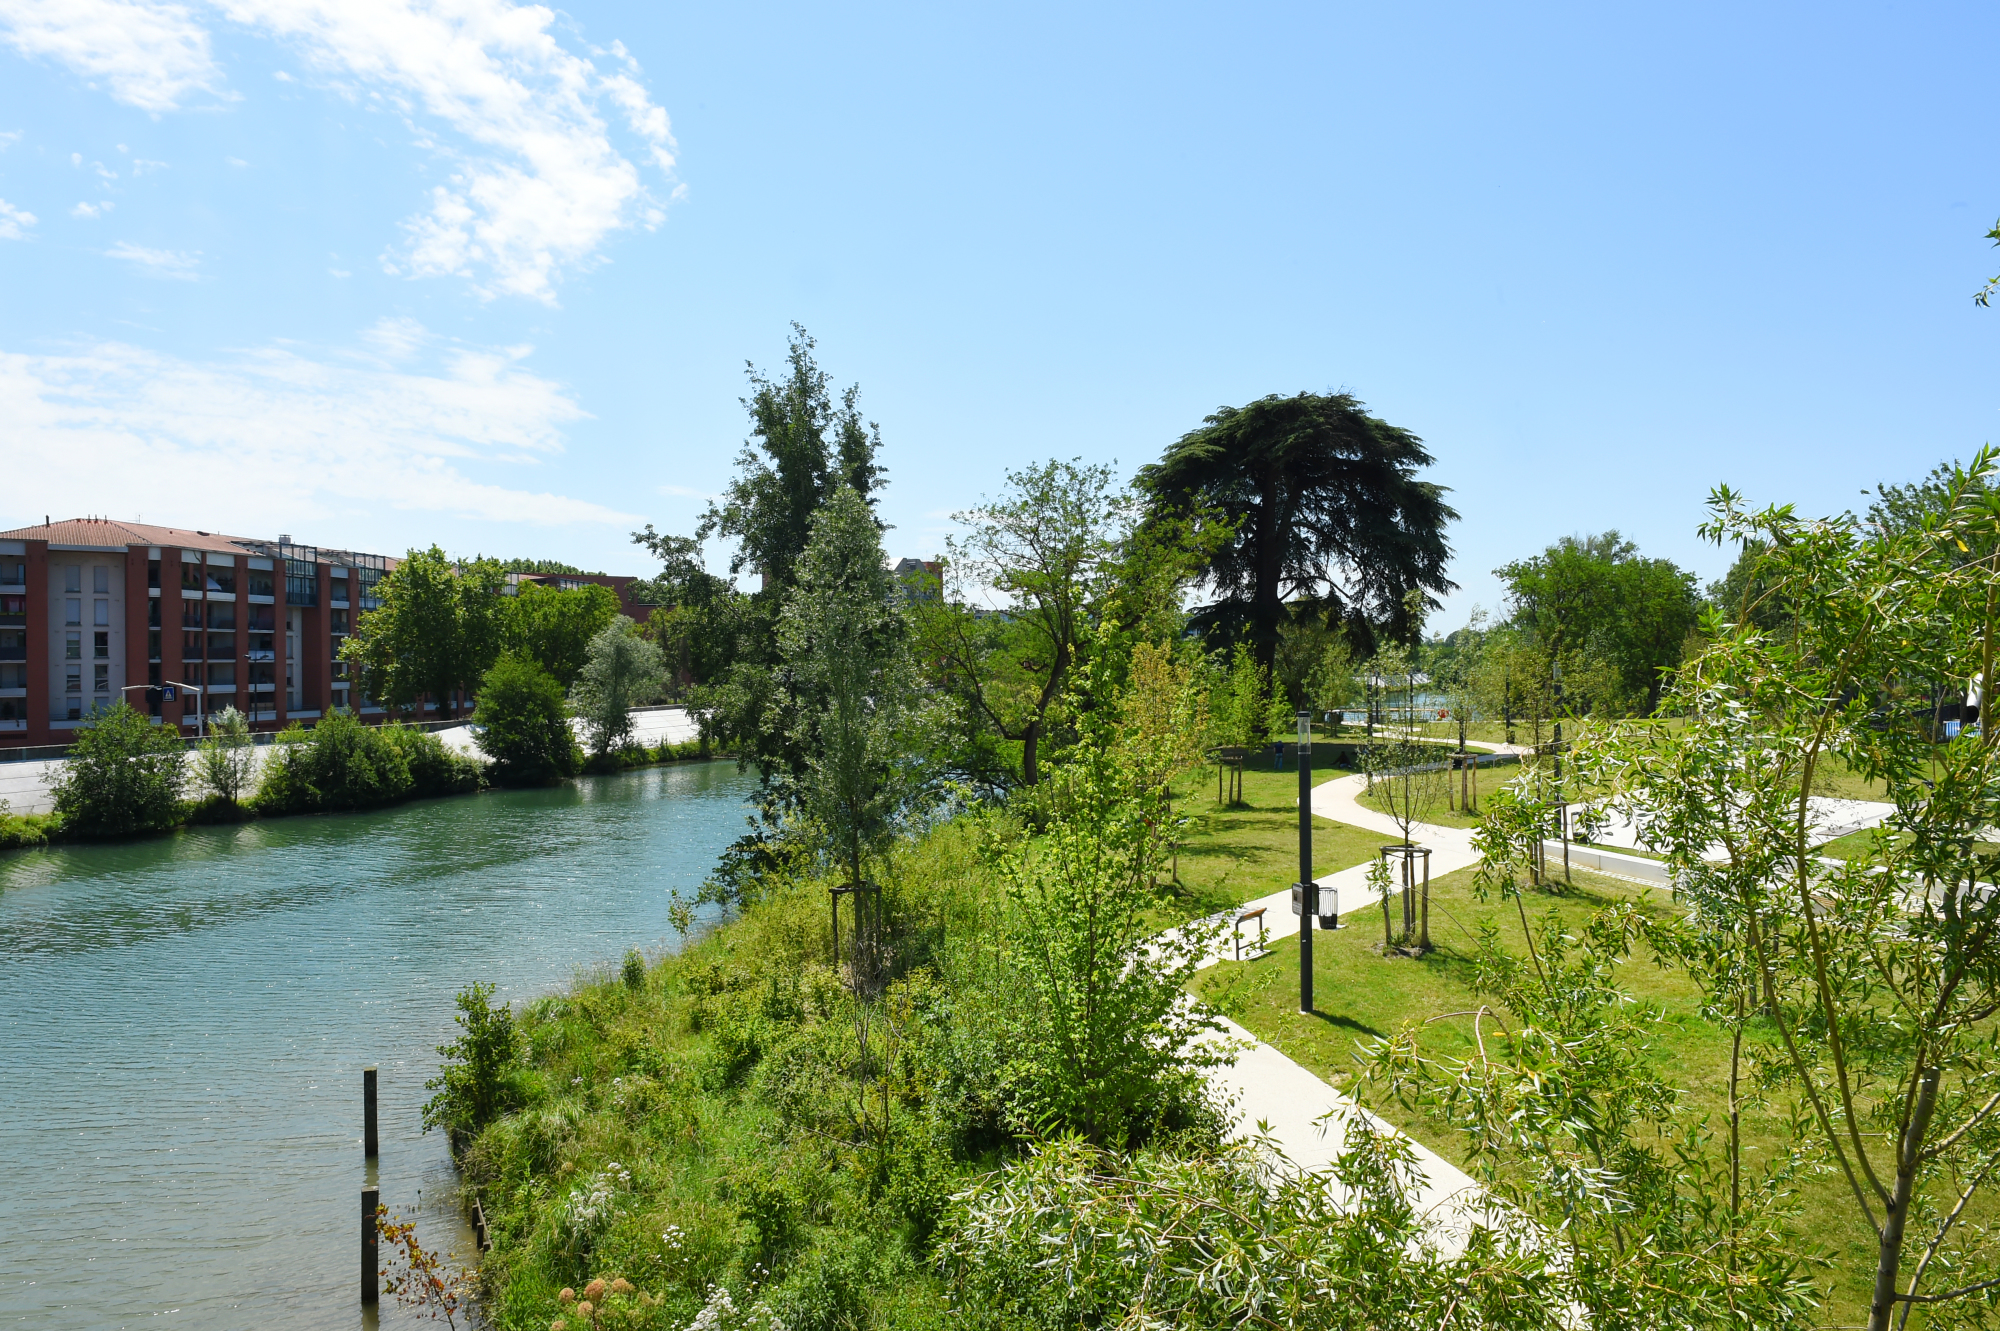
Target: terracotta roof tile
(108, 531)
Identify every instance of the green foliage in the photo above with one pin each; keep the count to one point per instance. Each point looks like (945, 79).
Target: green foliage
(622, 671)
(342, 764)
(843, 638)
(123, 776)
(702, 617)
(480, 1078)
(1239, 710)
(633, 969)
(1322, 501)
(1593, 599)
(21, 831)
(555, 628)
(437, 630)
(543, 568)
(1049, 549)
(524, 725)
(223, 766)
(1881, 974)
(1109, 1047)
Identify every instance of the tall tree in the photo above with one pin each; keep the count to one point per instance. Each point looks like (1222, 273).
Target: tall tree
(555, 627)
(1594, 599)
(844, 638)
(1048, 551)
(1325, 506)
(437, 630)
(622, 671)
(806, 448)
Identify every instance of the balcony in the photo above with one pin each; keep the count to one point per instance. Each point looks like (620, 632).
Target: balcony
(13, 693)
(263, 656)
(255, 599)
(13, 725)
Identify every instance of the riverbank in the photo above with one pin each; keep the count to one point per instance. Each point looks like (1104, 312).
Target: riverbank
(27, 817)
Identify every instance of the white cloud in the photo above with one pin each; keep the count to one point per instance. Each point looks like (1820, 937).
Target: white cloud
(235, 161)
(180, 265)
(541, 185)
(9, 138)
(150, 55)
(396, 337)
(143, 165)
(14, 222)
(156, 432)
(92, 210)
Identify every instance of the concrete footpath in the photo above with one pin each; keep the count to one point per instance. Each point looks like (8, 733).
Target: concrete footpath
(25, 785)
(1306, 1119)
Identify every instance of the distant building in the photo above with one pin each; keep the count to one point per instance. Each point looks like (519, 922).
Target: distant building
(919, 577)
(92, 609)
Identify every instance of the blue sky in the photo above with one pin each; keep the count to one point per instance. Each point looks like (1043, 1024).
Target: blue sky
(379, 272)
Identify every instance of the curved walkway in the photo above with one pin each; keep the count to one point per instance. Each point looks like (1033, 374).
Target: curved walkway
(1305, 1118)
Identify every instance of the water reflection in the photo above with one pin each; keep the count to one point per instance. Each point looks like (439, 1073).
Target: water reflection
(183, 1023)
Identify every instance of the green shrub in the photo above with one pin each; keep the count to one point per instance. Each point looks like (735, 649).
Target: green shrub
(524, 724)
(18, 831)
(634, 970)
(434, 769)
(338, 764)
(223, 765)
(480, 1077)
(123, 776)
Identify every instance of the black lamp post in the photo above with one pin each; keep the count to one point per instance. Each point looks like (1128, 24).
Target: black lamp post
(1308, 890)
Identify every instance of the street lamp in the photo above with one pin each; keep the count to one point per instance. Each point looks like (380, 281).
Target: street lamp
(166, 691)
(1308, 890)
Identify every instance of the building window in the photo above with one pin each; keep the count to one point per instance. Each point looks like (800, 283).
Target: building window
(338, 621)
(153, 645)
(221, 646)
(190, 575)
(101, 679)
(222, 674)
(337, 590)
(191, 646)
(100, 580)
(191, 614)
(100, 647)
(76, 713)
(72, 577)
(72, 611)
(103, 613)
(73, 679)
(221, 579)
(260, 582)
(152, 612)
(191, 674)
(153, 573)
(13, 645)
(72, 646)
(222, 614)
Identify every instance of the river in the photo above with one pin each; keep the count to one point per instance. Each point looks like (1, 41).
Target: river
(184, 1020)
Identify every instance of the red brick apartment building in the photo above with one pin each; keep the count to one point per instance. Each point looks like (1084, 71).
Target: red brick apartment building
(92, 608)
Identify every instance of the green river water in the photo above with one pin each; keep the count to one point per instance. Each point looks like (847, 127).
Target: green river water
(183, 1023)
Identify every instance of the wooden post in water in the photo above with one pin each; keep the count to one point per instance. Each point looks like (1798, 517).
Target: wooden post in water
(371, 1287)
(369, 1142)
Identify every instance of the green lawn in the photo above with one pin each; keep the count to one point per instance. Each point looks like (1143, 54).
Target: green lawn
(1361, 995)
(1233, 854)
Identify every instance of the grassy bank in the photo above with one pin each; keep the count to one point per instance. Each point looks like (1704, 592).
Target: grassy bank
(731, 1117)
